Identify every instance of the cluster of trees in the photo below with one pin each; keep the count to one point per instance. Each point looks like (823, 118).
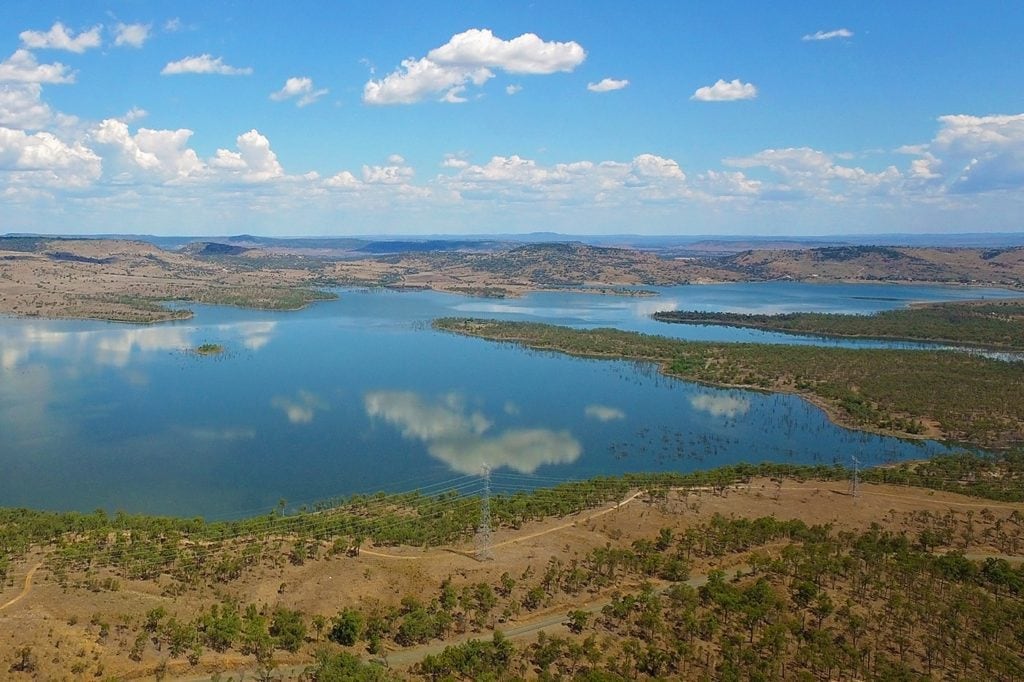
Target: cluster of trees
(828, 606)
(194, 551)
(999, 477)
(970, 398)
(997, 324)
(252, 630)
(259, 296)
(824, 604)
(259, 631)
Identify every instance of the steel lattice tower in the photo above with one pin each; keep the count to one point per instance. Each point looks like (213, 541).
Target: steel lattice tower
(484, 550)
(855, 481)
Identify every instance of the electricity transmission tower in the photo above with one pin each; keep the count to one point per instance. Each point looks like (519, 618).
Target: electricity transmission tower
(484, 550)
(855, 481)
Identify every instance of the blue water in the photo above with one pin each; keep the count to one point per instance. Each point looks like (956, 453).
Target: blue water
(359, 395)
(634, 313)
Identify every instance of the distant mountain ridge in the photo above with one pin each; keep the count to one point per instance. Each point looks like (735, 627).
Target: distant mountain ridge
(706, 243)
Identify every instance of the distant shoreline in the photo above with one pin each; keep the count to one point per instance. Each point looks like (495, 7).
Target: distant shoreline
(129, 281)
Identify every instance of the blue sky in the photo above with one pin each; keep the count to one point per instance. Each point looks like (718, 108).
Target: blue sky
(325, 118)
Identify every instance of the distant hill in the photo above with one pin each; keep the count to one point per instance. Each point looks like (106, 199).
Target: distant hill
(671, 244)
(303, 243)
(993, 266)
(213, 249)
(405, 246)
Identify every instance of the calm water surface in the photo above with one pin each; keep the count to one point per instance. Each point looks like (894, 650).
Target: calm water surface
(359, 394)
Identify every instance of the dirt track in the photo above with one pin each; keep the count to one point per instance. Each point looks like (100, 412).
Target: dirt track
(25, 590)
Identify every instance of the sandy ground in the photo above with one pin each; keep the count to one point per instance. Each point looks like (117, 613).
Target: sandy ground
(62, 625)
(109, 279)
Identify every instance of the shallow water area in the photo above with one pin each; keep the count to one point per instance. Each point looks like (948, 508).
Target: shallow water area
(360, 394)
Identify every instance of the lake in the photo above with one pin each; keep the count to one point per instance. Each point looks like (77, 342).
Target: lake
(360, 394)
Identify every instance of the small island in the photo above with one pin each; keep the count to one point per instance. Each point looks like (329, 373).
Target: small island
(209, 349)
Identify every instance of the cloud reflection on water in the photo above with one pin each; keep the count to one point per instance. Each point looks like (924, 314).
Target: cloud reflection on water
(254, 335)
(458, 438)
(301, 409)
(221, 434)
(718, 405)
(25, 417)
(10, 358)
(17, 343)
(119, 346)
(603, 413)
(596, 308)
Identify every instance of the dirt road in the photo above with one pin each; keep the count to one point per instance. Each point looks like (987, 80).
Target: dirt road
(25, 590)
(552, 622)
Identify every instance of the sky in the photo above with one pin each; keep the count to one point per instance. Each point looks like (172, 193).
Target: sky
(406, 118)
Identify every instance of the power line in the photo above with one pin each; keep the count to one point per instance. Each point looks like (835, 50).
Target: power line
(483, 534)
(855, 481)
(339, 521)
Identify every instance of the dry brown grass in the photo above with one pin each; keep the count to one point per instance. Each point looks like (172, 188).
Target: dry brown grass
(62, 624)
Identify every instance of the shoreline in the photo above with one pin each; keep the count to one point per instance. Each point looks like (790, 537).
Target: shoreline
(932, 430)
(768, 327)
(188, 313)
(520, 291)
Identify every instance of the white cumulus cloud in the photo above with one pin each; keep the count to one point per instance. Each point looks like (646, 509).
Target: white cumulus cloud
(147, 156)
(454, 161)
(653, 166)
(343, 180)
(527, 54)
(647, 177)
(725, 91)
(131, 35)
(829, 35)
(607, 85)
(395, 173)
(455, 95)
(420, 78)
(204, 63)
(806, 172)
(985, 152)
(300, 87)
(42, 152)
(60, 38)
(729, 184)
(254, 161)
(22, 67)
(21, 106)
(134, 114)
(787, 161)
(468, 58)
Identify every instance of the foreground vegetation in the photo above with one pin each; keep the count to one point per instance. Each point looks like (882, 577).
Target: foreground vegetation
(988, 324)
(808, 601)
(141, 546)
(830, 605)
(948, 395)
